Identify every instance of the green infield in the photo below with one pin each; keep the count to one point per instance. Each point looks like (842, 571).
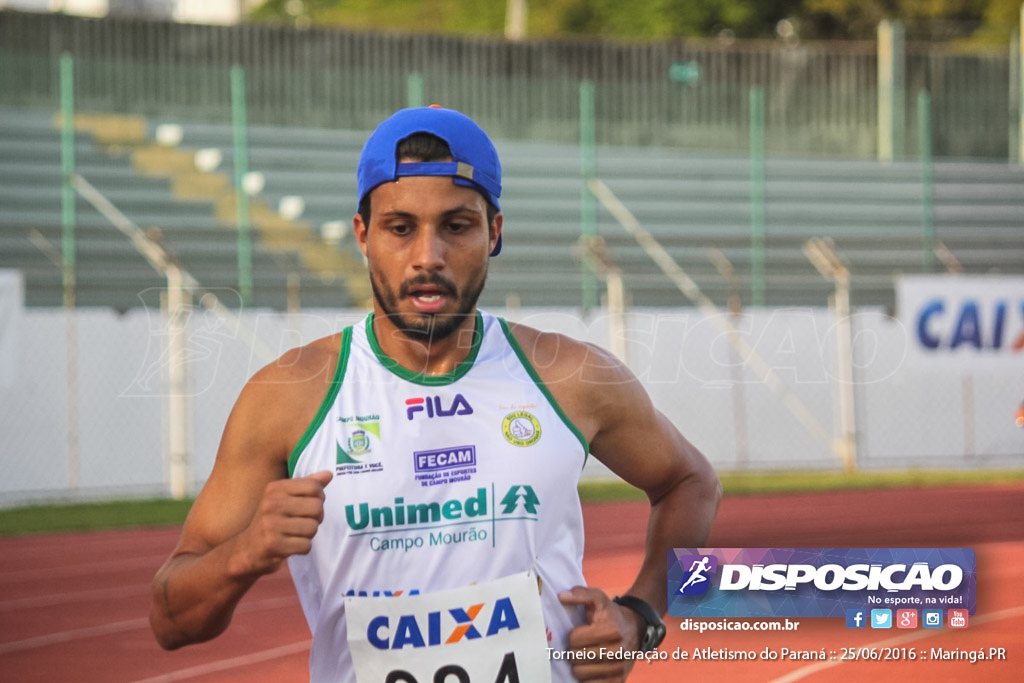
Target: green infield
(39, 519)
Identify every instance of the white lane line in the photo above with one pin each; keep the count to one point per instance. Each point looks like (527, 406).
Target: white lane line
(805, 671)
(232, 663)
(48, 639)
(52, 599)
(91, 569)
(74, 634)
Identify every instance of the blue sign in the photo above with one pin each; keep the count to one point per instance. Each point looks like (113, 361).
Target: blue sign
(819, 582)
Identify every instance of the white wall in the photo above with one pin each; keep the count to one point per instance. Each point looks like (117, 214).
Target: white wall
(906, 417)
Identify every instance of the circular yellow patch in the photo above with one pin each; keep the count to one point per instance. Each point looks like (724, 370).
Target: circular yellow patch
(521, 428)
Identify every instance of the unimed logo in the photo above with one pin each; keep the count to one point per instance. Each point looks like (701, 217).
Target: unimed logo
(403, 514)
(447, 627)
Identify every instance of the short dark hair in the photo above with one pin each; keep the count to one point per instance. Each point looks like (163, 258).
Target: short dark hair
(421, 147)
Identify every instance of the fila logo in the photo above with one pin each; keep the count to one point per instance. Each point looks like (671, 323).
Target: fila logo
(432, 406)
(409, 632)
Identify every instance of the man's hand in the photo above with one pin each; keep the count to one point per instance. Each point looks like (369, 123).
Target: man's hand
(285, 522)
(607, 626)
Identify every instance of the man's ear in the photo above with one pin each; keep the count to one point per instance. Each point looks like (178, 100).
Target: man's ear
(494, 230)
(360, 229)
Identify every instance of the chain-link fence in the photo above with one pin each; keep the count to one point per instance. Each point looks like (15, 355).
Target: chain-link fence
(821, 98)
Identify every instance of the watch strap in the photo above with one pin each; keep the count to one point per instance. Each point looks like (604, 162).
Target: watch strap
(655, 631)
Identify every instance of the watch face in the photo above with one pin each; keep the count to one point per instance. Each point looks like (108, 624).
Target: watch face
(649, 636)
(655, 634)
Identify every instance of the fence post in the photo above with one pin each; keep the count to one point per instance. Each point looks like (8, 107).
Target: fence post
(924, 133)
(178, 303)
(241, 149)
(757, 238)
(1015, 117)
(516, 12)
(414, 90)
(68, 252)
(588, 205)
(820, 253)
(891, 78)
(67, 164)
(1019, 61)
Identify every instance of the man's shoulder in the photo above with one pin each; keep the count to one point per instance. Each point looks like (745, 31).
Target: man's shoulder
(563, 357)
(314, 362)
(589, 383)
(280, 399)
(292, 387)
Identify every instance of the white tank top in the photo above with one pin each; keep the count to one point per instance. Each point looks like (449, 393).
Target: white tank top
(440, 482)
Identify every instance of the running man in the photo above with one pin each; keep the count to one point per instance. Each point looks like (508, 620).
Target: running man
(698, 573)
(433, 447)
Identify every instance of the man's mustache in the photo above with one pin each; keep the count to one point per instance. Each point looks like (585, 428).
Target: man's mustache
(445, 285)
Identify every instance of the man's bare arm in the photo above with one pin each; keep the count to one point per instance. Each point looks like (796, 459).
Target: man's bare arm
(249, 517)
(629, 435)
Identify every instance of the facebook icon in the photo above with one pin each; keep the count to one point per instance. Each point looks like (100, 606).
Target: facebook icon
(856, 618)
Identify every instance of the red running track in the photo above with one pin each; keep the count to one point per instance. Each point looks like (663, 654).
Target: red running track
(74, 607)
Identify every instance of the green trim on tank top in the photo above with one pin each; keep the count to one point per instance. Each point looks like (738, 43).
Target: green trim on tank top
(418, 377)
(530, 370)
(325, 406)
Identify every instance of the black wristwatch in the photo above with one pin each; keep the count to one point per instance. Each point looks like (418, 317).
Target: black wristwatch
(655, 632)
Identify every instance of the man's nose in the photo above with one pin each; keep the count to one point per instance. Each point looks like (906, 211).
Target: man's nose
(428, 249)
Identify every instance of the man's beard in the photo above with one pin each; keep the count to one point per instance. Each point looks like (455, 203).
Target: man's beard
(428, 327)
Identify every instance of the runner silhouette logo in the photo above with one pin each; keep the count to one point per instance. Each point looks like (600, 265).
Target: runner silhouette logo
(697, 579)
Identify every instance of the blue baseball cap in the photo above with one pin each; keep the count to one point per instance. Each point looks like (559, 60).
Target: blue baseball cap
(474, 160)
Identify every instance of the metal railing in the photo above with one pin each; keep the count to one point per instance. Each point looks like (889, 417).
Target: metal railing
(821, 99)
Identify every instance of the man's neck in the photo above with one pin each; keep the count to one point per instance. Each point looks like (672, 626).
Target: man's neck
(425, 356)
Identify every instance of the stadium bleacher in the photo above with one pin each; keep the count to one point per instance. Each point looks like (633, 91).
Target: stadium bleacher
(875, 214)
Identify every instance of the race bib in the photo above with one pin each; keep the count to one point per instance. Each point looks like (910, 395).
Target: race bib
(485, 633)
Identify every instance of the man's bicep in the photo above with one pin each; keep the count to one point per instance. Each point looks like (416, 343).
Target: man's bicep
(642, 446)
(248, 459)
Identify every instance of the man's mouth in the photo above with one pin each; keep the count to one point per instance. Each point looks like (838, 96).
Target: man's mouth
(429, 299)
(428, 289)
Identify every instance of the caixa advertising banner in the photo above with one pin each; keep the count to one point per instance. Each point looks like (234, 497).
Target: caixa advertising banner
(818, 582)
(962, 322)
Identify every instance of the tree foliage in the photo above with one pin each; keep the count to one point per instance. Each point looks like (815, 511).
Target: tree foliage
(985, 20)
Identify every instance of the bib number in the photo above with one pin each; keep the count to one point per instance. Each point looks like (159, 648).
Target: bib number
(508, 673)
(490, 632)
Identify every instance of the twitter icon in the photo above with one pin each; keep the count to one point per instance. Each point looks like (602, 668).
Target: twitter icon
(881, 618)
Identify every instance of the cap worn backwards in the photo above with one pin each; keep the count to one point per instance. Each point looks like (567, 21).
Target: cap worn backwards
(474, 160)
